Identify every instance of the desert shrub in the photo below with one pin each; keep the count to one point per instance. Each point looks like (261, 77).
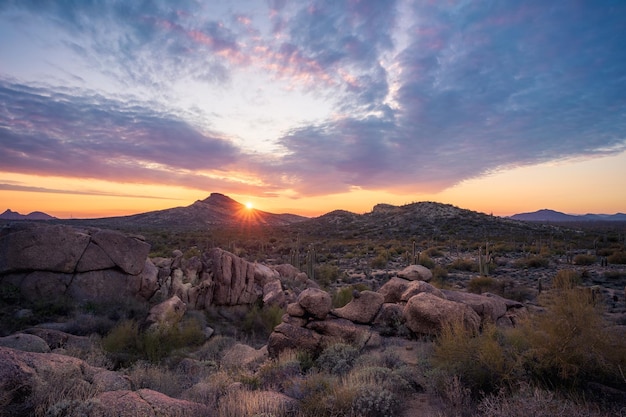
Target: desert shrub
(584, 259)
(337, 359)
(617, 258)
(158, 378)
(210, 390)
(379, 262)
(327, 273)
(214, 348)
(260, 321)
(439, 277)
(434, 252)
(528, 401)
(126, 343)
(532, 262)
(239, 403)
(615, 274)
(278, 374)
(479, 285)
(463, 264)
(426, 261)
(319, 396)
(566, 279)
(374, 401)
(570, 343)
(482, 362)
(60, 389)
(342, 296)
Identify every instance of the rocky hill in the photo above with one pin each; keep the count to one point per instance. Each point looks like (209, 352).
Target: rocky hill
(425, 219)
(215, 210)
(35, 215)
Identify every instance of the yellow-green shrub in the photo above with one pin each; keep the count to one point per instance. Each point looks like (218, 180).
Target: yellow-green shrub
(566, 279)
(570, 343)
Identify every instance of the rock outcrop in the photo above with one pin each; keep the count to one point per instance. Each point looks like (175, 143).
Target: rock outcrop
(93, 265)
(84, 264)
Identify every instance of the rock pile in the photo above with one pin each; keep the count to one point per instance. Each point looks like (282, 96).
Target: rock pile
(400, 307)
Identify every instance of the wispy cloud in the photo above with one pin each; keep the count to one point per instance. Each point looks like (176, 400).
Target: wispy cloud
(30, 189)
(422, 101)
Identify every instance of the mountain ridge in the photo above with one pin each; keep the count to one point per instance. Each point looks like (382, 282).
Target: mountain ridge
(35, 215)
(548, 215)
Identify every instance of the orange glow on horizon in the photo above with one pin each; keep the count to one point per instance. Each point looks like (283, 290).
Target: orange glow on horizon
(573, 187)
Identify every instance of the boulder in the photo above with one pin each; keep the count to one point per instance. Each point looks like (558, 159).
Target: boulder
(287, 271)
(234, 279)
(389, 318)
(43, 285)
(25, 342)
(103, 285)
(148, 280)
(93, 259)
(264, 274)
(361, 309)
(128, 253)
(144, 402)
(273, 293)
(341, 330)
(295, 310)
(392, 290)
(315, 302)
(416, 272)
(26, 375)
(167, 314)
(56, 339)
(243, 356)
(488, 308)
(416, 287)
(286, 336)
(32, 246)
(427, 314)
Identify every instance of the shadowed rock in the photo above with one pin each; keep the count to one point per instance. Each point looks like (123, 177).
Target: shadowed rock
(427, 314)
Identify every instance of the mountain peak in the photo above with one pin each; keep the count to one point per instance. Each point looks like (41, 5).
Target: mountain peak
(220, 200)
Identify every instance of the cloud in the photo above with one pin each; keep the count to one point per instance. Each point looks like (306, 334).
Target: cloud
(444, 92)
(50, 133)
(30, 189)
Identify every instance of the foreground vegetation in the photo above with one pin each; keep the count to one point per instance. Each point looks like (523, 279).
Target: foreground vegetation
(567, 357)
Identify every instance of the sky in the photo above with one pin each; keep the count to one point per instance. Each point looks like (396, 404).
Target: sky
(115, 107)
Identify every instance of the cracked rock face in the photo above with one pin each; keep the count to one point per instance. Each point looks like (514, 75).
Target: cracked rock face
(85, 264)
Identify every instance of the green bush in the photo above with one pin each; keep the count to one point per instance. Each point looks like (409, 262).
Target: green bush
(337, 359)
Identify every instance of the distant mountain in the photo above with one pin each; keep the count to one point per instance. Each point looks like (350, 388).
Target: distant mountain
(35, 215)
(546, 215)
(215, 210)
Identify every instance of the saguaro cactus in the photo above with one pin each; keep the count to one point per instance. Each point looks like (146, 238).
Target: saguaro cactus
(310, 262)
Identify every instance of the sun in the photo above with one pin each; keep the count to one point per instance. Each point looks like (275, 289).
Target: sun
(249, 205)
